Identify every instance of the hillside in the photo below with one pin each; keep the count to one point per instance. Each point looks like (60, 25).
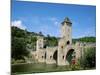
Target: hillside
(85, 39)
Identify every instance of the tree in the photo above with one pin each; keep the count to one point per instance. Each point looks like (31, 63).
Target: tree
(18, 48)
(17, 32)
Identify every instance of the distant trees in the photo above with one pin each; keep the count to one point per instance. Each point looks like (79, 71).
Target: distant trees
(88, 39)
(51, 41)
(85, 39)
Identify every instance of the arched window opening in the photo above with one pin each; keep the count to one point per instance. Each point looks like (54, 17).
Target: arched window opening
(63, 57)
(68, 42)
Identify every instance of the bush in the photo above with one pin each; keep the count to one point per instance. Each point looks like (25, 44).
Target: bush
(89, 58)
(76, 66)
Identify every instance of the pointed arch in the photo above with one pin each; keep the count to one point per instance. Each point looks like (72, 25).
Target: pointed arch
(70, 55)
(55, 55)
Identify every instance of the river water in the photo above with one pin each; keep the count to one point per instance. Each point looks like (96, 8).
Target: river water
(37, 68)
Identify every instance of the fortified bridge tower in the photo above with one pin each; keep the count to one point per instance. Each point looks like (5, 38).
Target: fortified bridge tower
(66, 51)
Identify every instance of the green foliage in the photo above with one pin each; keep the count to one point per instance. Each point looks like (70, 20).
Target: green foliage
(51, 41)
(18, 48)
(89, 58)
(16, 32)
(85, 39)
(19, 41)
(88, 39)
(75, 67)
(32, 43)
(17, 61)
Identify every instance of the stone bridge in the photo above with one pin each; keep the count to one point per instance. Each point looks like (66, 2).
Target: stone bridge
(65, 52)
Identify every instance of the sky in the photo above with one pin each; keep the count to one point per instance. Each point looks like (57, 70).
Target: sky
(47, 17)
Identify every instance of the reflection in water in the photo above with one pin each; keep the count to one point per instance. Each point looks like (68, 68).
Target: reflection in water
(36, 68)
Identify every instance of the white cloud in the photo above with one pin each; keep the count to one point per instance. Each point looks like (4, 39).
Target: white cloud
(19, 24)
(56, 23)
(53, 18)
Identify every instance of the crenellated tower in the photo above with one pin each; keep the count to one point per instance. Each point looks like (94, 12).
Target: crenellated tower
(66, 31)
(65, 41)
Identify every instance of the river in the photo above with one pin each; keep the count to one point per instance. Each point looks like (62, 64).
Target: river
(37, 68)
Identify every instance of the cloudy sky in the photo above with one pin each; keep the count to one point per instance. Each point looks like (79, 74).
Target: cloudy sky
(47, 17)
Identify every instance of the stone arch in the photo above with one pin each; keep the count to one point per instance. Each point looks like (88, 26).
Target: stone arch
(70, 55)
(55, 55)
